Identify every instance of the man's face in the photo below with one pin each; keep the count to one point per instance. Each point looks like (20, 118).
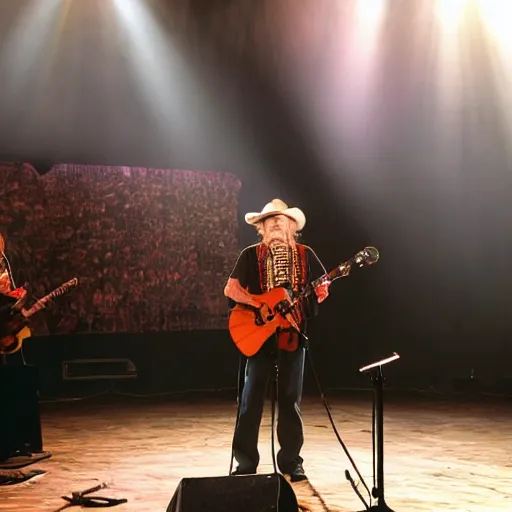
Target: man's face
(277, 227)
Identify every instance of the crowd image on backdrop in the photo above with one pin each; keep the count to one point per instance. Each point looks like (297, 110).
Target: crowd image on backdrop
(151, 247)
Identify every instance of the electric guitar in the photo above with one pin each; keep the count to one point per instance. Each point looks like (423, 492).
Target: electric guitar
(16, 330)
(250, 328)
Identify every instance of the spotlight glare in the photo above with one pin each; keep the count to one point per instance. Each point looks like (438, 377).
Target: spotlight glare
(370, 12)
(450, 12)
(496, 15)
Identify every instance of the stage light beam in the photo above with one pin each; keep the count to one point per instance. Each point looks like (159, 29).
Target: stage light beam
(370, 13)
(451, 12)
(496, 16)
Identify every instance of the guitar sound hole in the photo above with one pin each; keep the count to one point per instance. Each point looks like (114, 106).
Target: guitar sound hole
(282, 306)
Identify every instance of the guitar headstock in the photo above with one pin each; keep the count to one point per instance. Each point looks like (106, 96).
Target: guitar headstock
(73, 282)
(368, 256)
(65, 288)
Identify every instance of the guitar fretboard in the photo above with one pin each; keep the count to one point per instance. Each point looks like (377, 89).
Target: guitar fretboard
(41, 303)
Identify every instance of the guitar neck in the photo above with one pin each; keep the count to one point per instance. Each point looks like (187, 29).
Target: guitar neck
(329, 276)
(368, 256)
(42, 303)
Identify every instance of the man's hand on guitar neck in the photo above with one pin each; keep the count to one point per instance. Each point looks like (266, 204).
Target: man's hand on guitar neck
(322, 291)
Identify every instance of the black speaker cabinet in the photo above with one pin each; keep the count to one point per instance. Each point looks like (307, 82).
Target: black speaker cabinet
(20, 427)
(248, 493)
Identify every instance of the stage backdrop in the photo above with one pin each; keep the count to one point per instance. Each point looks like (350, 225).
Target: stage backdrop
(152, 248)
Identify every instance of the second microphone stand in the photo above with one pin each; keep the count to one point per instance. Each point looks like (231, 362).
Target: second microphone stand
(375, 370)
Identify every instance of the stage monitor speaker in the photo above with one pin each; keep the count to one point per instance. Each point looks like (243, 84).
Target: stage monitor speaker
(248, 493)
(20, 428)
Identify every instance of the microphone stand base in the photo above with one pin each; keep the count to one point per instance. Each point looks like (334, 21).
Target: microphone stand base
(381, 507)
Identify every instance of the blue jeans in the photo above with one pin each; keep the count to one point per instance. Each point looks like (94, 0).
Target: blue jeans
(289, 422)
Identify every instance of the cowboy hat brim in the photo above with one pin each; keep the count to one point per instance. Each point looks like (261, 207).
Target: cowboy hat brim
(296, 214)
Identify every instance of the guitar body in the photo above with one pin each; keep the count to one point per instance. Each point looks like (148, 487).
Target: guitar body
(247, 332)
(12, 343)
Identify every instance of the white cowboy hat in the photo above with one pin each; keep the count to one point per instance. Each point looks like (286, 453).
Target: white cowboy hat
(277, 207)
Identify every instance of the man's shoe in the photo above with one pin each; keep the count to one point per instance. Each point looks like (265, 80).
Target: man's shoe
(243, 471)
(298, 474)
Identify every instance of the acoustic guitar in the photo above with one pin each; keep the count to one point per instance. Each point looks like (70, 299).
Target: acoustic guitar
(250, 328)
(16, 329)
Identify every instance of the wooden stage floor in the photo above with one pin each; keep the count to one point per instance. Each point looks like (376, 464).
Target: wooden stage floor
(440, 455)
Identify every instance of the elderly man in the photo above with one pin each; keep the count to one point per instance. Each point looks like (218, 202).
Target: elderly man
(278, 260)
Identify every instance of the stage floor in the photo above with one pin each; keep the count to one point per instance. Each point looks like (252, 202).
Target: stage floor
(440, 455)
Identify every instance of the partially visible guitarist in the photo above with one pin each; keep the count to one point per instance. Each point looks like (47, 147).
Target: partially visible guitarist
(14, 316)
(9, 294)
(278, 260)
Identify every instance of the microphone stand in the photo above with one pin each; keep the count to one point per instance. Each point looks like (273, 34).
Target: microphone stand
(275, 398)
(375, 370)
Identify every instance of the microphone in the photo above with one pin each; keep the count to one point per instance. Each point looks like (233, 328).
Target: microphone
(368, 256)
